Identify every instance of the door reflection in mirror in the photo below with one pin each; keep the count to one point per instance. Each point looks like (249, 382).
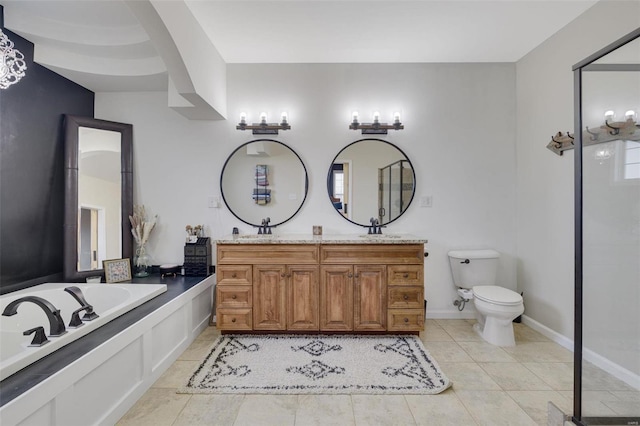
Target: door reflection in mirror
(371, 178)
(99, 197)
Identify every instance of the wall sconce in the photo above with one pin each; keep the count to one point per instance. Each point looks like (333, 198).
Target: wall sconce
(375, 128)
(611, 130)
(13, 65)
(263, 128)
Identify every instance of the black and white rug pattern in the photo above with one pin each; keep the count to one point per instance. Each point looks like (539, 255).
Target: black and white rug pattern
(318, 364)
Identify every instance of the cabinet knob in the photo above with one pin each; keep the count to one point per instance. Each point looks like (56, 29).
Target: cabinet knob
(406, 320)
(357, 275)
(405, 275)
(234, 296)
(350, 275)
(405, 297)
(282, 275)
(234, 320)
(234, 275)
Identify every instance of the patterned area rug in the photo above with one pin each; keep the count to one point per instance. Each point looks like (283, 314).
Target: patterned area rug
(294, 364)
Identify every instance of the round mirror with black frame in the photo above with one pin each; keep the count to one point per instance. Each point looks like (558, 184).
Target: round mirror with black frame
(371, 178)
(264, 178)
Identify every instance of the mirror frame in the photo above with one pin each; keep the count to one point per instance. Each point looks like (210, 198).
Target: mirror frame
(413, 171)
(72, 124)
(306, 181)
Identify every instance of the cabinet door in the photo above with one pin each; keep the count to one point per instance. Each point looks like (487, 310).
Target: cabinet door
(302, 298)
(370, 290)
(269, 297)
(336, 298)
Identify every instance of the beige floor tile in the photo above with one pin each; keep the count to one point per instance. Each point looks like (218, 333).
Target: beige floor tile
(494, 408)
(324, 410)
(485, 352)
(447, 352)
(594, 378)
(624, 408)
(444, 409)
(539, 352)
(468, 376)
(558, 375)
(597, 409)
(514, 376)
(627, 395)
(449, 323)
(522, 333)
(177, 375)
(434, 334)
(267, 410)
(210, 410)
(209, 334)
(196, 351)
(156, 407)
(535, 403)
(381, 410)
(464, 333)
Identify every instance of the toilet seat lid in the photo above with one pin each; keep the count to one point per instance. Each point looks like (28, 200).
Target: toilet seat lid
(497, 295)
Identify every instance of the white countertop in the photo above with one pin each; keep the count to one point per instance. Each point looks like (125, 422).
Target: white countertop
(321, 239)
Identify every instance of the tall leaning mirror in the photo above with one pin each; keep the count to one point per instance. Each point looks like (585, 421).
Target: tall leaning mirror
(98, 195)
(371, 178)
(262, 179)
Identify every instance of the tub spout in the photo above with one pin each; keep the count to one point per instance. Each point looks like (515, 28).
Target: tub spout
(56, 324)
(77, 294)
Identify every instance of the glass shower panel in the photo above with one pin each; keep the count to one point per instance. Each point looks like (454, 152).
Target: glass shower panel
(611, 241)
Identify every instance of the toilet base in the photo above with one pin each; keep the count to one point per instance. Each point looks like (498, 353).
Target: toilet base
(498, 332)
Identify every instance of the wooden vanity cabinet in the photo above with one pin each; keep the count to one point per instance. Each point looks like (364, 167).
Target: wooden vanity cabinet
(320, 287)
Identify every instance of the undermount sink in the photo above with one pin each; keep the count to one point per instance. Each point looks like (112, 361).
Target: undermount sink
(379, 236)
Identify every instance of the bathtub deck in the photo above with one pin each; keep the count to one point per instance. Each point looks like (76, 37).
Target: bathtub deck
(25, 379)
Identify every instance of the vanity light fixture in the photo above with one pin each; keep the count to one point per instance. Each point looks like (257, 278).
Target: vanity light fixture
(13, 65)
(375, 128)
(611, 130)
(263, 128)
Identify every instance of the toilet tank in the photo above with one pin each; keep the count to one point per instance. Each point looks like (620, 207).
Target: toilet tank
(473, 267)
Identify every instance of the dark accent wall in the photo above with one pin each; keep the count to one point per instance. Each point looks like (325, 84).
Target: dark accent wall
(32, 171)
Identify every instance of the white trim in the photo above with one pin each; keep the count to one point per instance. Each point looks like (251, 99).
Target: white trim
(629, 377)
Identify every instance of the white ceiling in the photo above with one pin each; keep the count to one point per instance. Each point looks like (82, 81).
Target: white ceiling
(101, 45)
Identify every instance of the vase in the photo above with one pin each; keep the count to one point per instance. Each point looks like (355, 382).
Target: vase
(141, 262)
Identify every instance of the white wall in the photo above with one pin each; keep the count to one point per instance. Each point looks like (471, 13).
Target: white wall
(460, 136)
(544, 180)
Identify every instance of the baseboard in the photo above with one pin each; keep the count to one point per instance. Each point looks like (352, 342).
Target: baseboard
(598, 360)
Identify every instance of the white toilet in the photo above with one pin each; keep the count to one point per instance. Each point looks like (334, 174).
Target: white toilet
(474, 273)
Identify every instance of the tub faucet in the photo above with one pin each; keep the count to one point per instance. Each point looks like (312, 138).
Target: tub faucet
(85, 306)
(56, 324)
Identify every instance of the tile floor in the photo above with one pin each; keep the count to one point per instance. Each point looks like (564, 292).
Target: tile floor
(491, 386)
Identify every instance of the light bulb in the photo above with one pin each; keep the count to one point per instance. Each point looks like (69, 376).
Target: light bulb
(396, 117)
(354, 116)
(284, 117)
(609, 115)
(630, 115)
(263, 117)
(243, 117)
(376, 116)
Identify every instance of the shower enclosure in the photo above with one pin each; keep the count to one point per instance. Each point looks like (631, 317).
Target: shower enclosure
(607, 246)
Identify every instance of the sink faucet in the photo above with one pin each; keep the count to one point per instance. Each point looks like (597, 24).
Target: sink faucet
(265, 228)
(85, 306)
(56, 324)
(375, 227)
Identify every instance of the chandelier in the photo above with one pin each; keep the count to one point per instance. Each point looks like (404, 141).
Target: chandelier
(13, 64)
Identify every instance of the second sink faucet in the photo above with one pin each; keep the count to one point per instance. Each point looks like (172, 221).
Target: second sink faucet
(375, 227)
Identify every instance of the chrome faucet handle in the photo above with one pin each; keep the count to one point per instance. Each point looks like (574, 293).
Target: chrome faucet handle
(39, 337)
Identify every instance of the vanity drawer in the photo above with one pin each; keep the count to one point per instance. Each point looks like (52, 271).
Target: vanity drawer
(234, 275)
(405, 319)
(405, 275)
(389, 254)
(405, 297)
(234, 319)
(234, 296)
(249, 254)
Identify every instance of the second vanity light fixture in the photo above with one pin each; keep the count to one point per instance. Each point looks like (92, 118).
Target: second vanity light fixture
(263, 128)
(375, 128)
(611, 130)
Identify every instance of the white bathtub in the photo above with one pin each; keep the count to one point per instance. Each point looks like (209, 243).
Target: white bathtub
(108, 300)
